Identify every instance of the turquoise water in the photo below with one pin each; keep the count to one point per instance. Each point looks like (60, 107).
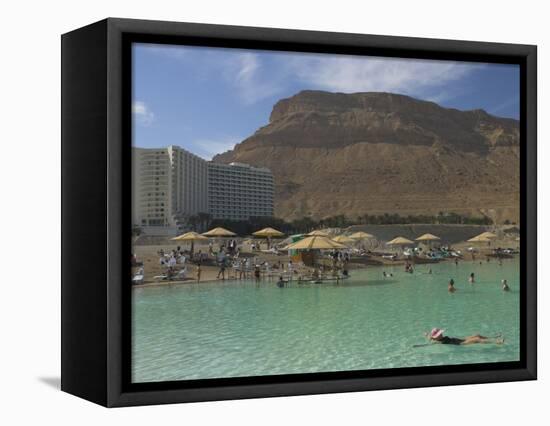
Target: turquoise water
(232, 329)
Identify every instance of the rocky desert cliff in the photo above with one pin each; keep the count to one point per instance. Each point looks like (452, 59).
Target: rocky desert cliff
(375, 153)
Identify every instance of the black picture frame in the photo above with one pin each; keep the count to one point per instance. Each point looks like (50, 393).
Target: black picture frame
(96, 140)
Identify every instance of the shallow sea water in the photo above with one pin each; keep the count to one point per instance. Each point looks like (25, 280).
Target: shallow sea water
(238, 328)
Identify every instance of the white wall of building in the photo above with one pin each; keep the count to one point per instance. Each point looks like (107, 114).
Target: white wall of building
(238, 191)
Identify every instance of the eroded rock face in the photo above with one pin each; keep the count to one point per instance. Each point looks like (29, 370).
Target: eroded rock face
(373, 153)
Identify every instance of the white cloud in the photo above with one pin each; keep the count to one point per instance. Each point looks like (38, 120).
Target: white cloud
(426, 79)
(513, 101)
(363, 74)
(208, 148)
(142, 114)
(245, 73)
(255, 76)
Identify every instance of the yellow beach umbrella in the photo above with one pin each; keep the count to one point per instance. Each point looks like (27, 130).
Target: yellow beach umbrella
(361, 235)
(479, 239)
(268, 233)
(488, 235)
(343, 239)
(219, 232)
(399, 241)
(428, 237)
(315, 242)
(318, 233)
(189, 236)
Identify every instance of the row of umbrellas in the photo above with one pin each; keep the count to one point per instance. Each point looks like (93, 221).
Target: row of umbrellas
(313, 240)
(321, 240)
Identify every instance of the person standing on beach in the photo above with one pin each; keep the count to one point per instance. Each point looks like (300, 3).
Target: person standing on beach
(238, 265)
(221, 262)
(451, 287)
(198, 272)
(290, 270)
(267, 270)
(246, 267)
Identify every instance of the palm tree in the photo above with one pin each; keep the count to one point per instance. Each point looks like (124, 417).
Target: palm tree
(204, 219)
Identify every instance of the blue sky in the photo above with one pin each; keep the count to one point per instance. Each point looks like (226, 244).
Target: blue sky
(208, 99)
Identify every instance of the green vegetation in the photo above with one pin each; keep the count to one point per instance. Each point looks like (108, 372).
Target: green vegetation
(307, 224)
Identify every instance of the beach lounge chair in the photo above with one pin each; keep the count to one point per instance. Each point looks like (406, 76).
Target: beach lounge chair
(138, 277)
(178, 276)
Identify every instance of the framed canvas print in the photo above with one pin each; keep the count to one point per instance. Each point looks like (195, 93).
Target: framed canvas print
(268, 212)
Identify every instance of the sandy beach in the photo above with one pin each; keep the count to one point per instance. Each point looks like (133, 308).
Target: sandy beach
(147, 255)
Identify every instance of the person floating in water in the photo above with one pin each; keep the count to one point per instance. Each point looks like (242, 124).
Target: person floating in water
(472, 279)
(281, 282)
(505, 286)
(436, 336)
(451, 287)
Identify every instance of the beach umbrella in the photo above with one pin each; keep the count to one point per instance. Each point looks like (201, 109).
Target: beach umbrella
(219, 232)
(488, 235)
(360, 235)
(268, 233)
(479, 239)
(190, 236)
(315, 243)
(428, 237)
(484, 237)
(343, 239)
(318, 233)
(400, 241)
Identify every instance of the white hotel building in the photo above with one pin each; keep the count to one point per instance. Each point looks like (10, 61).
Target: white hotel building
(171, 184)
(238, 191)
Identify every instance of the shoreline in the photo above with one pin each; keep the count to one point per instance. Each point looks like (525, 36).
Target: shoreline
(264, 279)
